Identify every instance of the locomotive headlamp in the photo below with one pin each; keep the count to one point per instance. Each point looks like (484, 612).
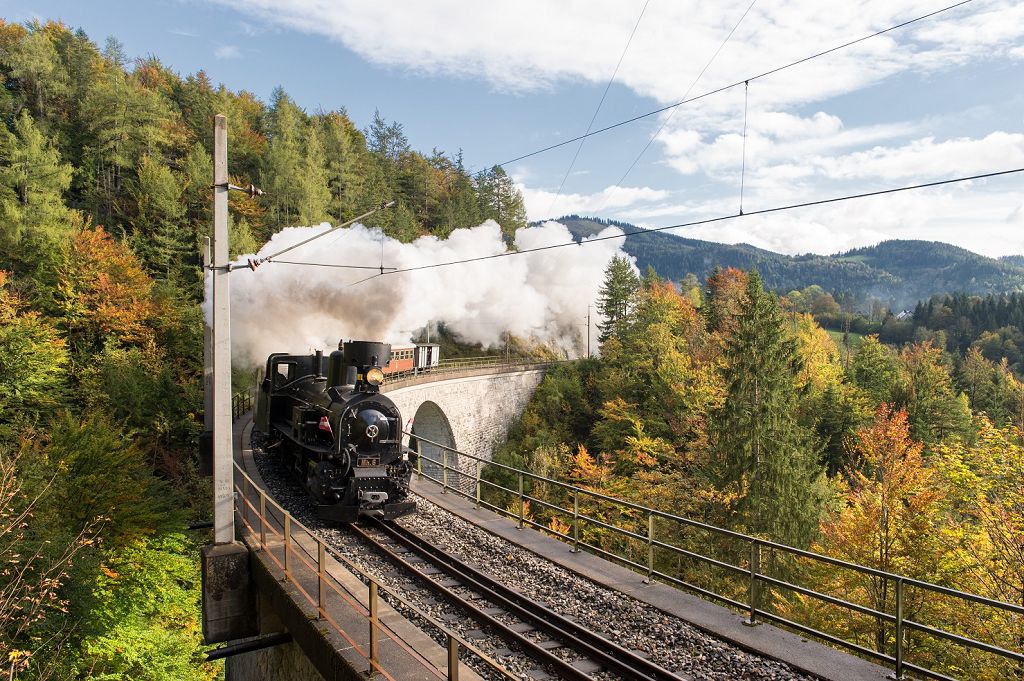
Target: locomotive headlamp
(374, 376)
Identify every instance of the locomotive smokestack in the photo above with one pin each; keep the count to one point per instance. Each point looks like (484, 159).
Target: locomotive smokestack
(319, 363)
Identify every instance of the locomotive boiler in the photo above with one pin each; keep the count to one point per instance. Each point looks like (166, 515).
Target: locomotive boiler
(336, 431)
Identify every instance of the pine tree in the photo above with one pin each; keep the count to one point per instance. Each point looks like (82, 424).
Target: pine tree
(125, 121)
(344, 147)
(501, 201)
(616, 297)
(926, 391)
(760, 450)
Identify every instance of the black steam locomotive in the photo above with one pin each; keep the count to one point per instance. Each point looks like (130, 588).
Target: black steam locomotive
(336, 431)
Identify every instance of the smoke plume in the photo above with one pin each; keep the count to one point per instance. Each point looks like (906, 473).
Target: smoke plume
(291, 308)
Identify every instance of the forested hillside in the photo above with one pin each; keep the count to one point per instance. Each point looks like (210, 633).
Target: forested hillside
(105, 172)
(724, 404)
(896, 274)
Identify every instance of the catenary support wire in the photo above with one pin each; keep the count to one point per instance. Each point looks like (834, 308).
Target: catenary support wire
(604, 95)
(739, 82)
(743, 154)
(706, 221)
(668, 119)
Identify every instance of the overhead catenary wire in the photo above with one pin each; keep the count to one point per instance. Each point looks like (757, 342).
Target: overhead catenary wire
(668, 119)
(723, 88)
(256, 262)
(604, 95)
(706, 221)
(327, 264)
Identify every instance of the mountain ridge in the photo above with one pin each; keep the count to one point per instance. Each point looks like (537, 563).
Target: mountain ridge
(897, 272)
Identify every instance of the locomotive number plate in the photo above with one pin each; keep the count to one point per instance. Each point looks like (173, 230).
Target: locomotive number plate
(367, 462)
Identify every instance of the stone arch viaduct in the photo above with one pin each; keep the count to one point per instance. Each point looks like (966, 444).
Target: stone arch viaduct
(471, 412)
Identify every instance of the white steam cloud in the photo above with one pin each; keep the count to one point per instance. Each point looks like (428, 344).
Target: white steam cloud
(292, 308)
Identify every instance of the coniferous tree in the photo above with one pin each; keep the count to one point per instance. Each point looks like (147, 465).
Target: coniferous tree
(501, 201)
(159, 234)
(314, 194)
(616, 297)
(926, 391)
(345, 149)
(32, 183)
(874, 369)
(125, 121)
(760, 450)
(282, 164)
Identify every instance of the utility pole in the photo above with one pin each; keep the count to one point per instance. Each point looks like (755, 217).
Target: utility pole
(228, 597)
(588, 331)
(223, 496)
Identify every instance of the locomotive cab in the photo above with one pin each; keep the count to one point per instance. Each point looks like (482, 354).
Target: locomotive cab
(336, 431)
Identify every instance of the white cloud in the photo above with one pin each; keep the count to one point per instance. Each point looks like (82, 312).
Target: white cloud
(542, 204)
(800, 144)
(227, 52)
(986, 222)
(529, 44)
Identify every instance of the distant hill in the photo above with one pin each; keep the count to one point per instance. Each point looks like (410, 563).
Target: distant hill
(897, 272)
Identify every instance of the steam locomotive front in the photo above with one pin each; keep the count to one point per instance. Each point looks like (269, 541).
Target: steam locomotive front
(367, 473)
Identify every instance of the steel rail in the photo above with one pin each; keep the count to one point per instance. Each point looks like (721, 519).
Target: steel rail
(609, 654)
(506, 632)
(265, 514)
(756, 578)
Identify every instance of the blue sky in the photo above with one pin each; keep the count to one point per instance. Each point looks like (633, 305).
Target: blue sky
(498, 79)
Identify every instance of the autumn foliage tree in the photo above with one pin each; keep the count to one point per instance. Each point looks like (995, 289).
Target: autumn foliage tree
(106, 292)
(890, 520)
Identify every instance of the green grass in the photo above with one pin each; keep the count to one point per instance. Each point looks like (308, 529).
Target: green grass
(837, 336)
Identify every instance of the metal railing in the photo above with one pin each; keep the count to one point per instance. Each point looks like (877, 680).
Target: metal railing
(752, 582)
(308, 564)
(241, 403)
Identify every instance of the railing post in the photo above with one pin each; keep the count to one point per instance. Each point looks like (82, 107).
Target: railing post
(373, 623)
(650, 547)
(755, 567)
(244, 511)
(522, 501)
(263, 519)
(444, 471)
(287, 541)
(575, 519)
(899, 629)
(478, 485)
(321, 577)
(453, 658)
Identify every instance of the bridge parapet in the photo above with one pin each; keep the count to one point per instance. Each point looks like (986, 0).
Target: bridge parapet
(743, 572)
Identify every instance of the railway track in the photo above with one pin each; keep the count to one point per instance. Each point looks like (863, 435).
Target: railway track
(677, 645)
(550, 639)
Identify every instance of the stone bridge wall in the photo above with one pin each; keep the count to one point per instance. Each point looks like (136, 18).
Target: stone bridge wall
(472, 413)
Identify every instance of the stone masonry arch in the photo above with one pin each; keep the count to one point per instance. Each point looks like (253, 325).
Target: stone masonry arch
(431, 424)
(478, 411)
